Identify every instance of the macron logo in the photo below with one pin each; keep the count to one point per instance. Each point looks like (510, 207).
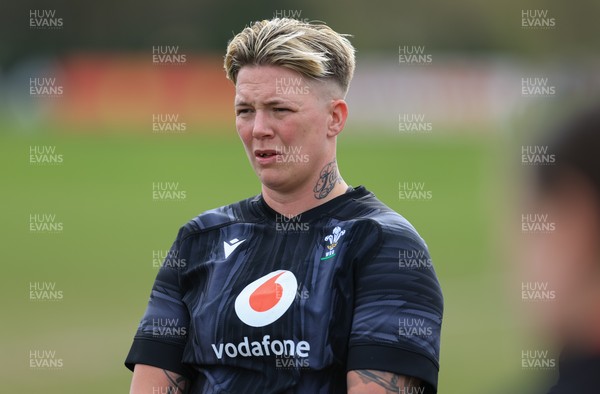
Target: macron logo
(230, 246)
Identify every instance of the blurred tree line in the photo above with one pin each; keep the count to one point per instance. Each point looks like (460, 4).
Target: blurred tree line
(471, 26)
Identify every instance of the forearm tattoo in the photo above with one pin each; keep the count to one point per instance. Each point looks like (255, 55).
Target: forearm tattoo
(177, 383)
(390, 383)
(328, 177)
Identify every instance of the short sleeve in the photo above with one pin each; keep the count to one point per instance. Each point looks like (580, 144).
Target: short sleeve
(162, 334)
(398, 308)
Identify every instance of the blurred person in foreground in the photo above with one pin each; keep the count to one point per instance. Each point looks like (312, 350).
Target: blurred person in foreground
(311, 286)
(568, 259)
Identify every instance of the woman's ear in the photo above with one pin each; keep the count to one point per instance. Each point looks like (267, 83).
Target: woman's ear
(337, 117)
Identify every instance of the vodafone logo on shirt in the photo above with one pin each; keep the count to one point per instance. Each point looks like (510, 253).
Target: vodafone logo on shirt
(266, 299)
(261, 303)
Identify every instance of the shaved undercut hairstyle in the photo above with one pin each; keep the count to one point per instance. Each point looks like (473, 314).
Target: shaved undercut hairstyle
(312, 49)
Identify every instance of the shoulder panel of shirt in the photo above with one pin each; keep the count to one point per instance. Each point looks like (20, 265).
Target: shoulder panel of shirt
(220, 217)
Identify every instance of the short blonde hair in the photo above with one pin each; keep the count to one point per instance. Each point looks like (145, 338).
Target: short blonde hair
(312, 49)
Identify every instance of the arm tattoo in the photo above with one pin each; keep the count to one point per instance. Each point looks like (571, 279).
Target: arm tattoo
(328, 177)
(177, 383)
(391, 383)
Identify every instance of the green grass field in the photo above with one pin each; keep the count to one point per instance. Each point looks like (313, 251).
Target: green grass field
(102, 260)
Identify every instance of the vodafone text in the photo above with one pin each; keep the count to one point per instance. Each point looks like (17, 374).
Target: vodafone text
(266, 347)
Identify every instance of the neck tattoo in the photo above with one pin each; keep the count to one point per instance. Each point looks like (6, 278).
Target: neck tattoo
(328, 178)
